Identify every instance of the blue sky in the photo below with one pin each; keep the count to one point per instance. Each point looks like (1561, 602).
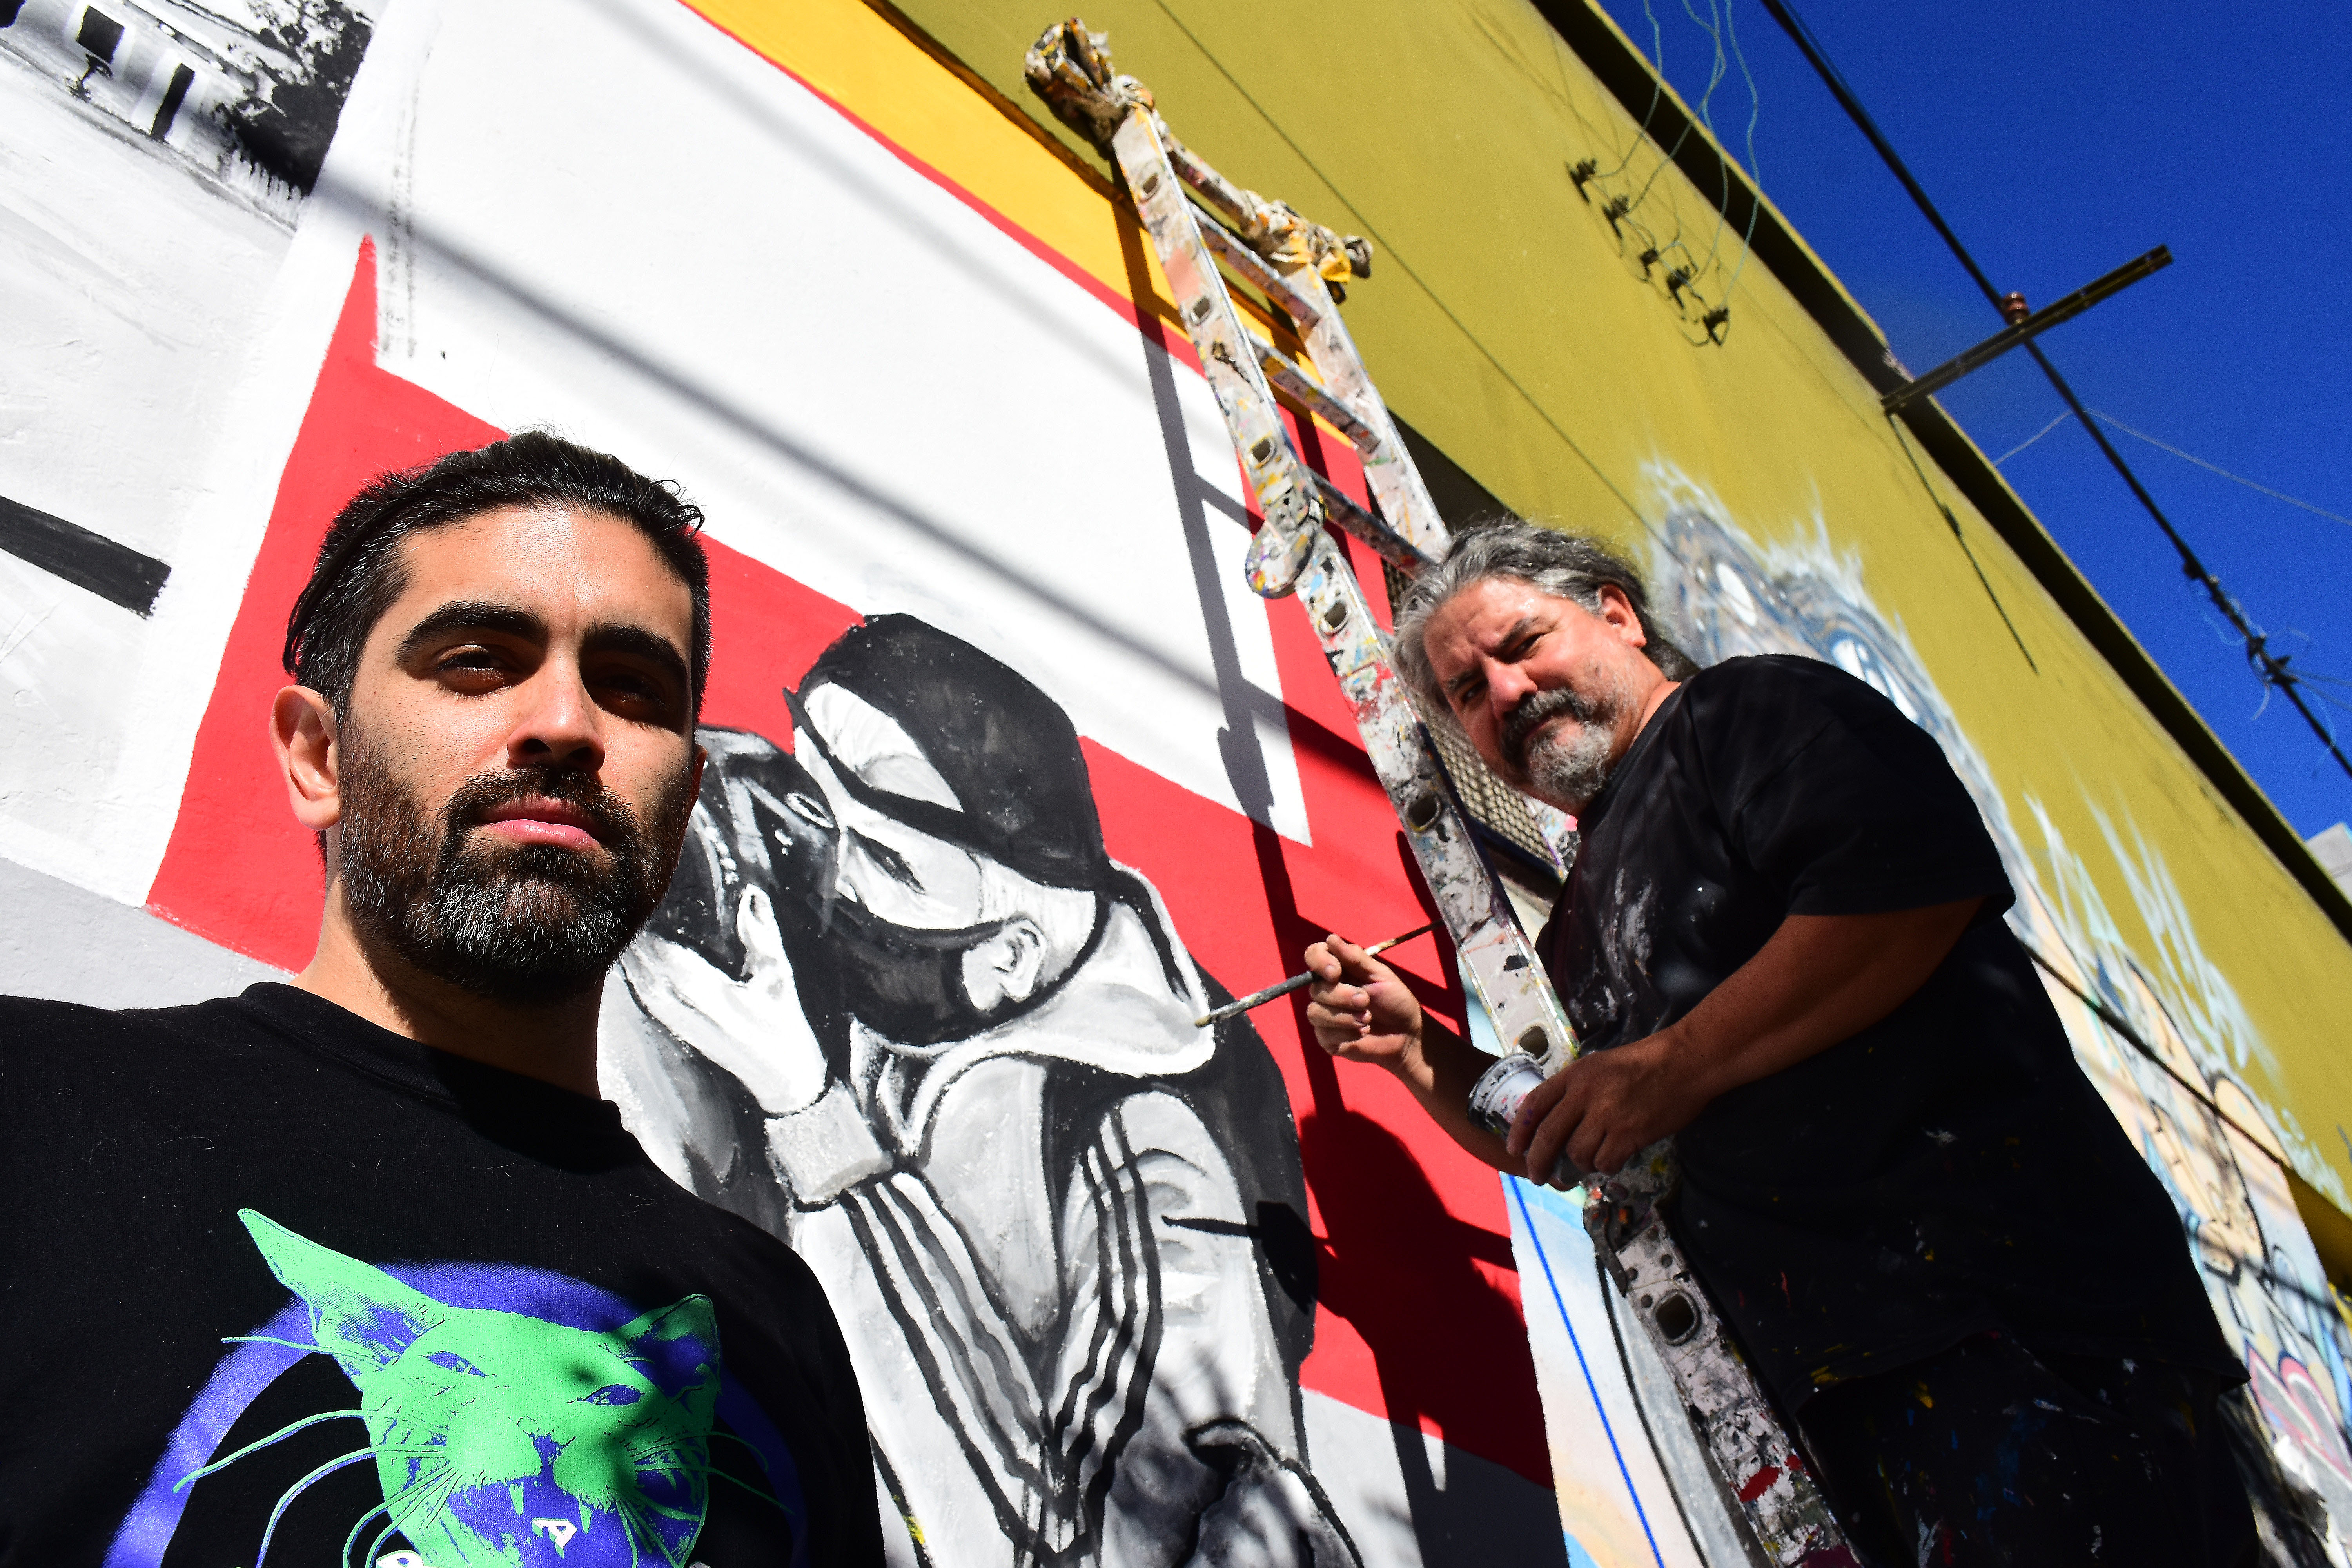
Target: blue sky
(2061, 140)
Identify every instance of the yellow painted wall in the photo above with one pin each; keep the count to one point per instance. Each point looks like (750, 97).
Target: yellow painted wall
(1505, 322)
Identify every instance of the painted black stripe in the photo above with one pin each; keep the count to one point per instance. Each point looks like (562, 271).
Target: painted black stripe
(173, 96)
(113, 572)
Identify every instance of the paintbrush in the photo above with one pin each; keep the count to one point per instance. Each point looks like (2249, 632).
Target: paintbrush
(1260, 998)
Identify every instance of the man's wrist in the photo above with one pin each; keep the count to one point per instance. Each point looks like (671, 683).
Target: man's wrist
(1416, 1066)
(1686, 1063)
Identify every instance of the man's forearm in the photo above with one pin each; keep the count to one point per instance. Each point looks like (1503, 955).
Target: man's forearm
(1439, 1072)
(1821, 979)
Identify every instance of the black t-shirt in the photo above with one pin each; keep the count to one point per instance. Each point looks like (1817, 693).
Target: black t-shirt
(1948, 1170)
(425, 1312)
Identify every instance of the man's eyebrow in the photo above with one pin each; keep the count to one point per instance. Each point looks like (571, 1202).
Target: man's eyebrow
(471, 615)
(1518, 629)
(619, 637)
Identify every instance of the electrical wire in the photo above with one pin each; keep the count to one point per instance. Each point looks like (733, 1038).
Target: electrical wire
(1657, 95)
(1755, 174)
(1716, 70)
(1682, 281)
(2217, 469)
(2063, 416)
(2268, 666)
(2102, 415)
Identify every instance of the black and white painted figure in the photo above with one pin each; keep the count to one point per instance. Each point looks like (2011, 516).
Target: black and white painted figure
(905, 1010)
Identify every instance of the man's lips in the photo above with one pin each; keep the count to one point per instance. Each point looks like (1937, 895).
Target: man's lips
(1526, 743)
(535, 819)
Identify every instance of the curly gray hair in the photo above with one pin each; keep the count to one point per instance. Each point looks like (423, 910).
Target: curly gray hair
(1566, 565)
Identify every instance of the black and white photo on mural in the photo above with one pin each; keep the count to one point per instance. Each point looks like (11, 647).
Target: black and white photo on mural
(156, 161)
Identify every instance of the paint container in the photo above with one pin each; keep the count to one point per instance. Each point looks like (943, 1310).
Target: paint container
(1496, 1098)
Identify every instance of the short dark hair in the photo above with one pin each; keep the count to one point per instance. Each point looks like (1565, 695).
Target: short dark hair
(1565, 565)
(359, 574)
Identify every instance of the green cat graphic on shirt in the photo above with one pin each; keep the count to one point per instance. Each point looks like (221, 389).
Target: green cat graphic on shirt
(502, 1439)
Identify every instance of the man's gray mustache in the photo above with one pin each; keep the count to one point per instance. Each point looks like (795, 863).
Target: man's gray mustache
(1536, 709)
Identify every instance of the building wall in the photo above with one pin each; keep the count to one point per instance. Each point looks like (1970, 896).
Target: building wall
(915, 361)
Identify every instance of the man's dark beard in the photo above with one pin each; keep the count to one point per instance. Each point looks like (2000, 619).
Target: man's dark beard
(1567, 771)
(520, 924)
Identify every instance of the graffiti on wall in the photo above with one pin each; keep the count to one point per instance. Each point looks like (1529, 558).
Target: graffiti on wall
(1731, 597)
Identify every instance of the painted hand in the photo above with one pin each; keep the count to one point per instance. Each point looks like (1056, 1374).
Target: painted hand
(753, 1028)
(1360, 1011)
(1270, 1515)
(1601, 1109)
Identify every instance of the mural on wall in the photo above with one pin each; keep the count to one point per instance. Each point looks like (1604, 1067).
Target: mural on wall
(1731, 597)
(902, 1007)
(1122, 1290)
(1012, 777)
(244, 95)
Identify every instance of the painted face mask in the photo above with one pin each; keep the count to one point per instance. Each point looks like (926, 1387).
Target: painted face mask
(907, 984)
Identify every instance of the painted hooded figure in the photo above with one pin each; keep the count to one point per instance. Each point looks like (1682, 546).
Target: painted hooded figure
(1061, 1226)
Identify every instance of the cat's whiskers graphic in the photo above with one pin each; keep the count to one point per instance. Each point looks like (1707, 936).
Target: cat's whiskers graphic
(353, 1538)
(437, 1484)
(283, 1432)
(664, 1460)
(286, 1499)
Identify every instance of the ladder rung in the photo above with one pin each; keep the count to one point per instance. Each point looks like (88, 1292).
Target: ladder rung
(1259, 272)
(1285, 374)
(1214, 189)
(1386, 542)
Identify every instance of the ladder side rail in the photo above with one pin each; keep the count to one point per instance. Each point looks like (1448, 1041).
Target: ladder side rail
(1390, 471)
(1286, 500)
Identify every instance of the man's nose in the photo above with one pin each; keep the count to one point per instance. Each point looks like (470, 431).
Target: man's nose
(559, 727)
(1507, 685)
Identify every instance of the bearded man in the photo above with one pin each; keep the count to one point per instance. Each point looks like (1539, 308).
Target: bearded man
(1781, 944)
(362, 1263)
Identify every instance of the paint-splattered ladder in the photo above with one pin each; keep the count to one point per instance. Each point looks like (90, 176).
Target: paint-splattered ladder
(1289, 259)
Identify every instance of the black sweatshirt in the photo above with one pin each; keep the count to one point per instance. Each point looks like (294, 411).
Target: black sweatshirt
(1945, 1172)
(426, 1312)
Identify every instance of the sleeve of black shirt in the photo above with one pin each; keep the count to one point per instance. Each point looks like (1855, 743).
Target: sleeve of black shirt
(1838, 800)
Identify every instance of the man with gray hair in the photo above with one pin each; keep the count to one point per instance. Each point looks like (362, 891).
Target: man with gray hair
(1782, 944)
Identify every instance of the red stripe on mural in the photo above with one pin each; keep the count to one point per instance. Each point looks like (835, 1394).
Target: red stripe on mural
(238, 870)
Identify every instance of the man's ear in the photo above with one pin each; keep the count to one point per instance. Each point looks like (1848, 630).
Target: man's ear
(302, 728)
(1008, 967)
(1619, 612)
